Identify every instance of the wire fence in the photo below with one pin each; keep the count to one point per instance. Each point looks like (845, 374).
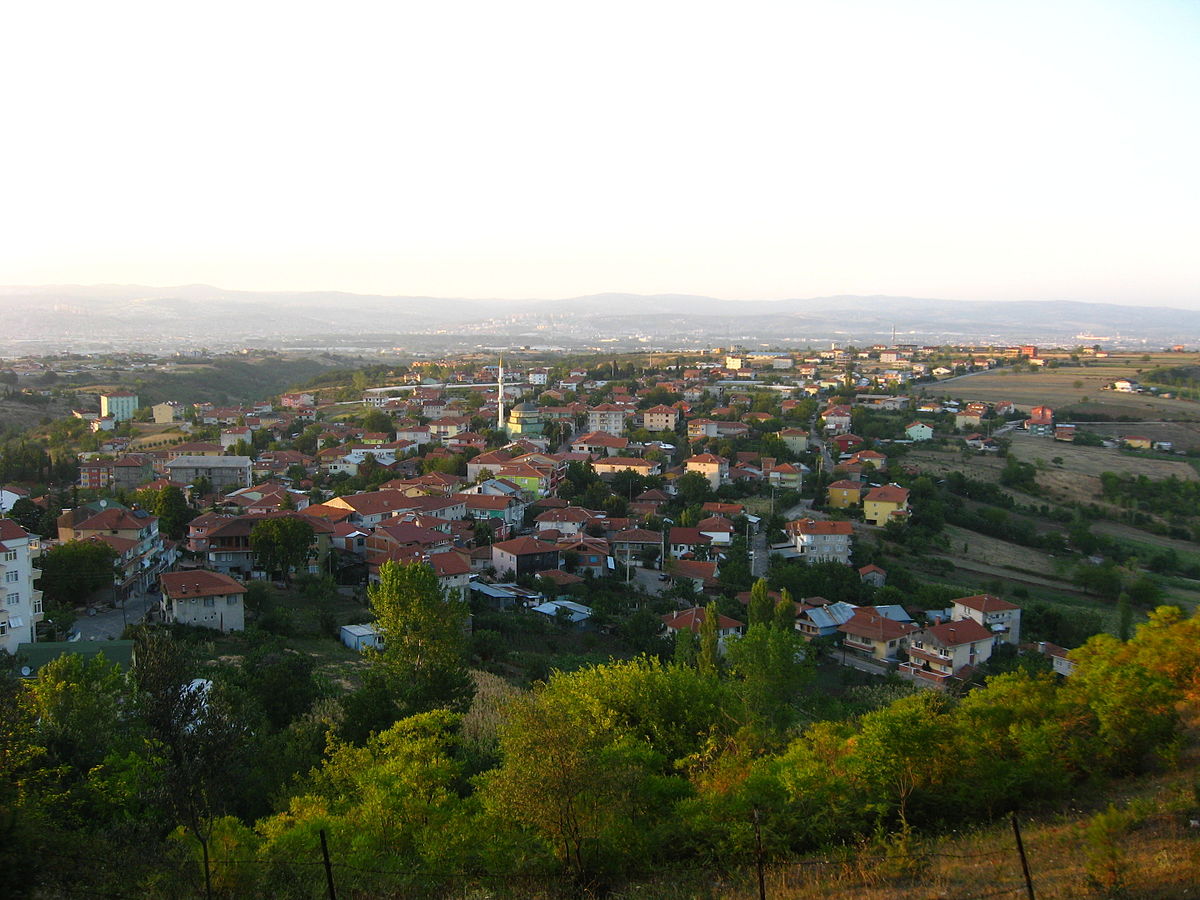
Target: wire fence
(911, 872)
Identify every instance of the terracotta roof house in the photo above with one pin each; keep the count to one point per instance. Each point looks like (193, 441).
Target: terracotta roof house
(885, 503)
(203, 598)
(718, 528)
(701, 573)
(686, 540)
(939, 653)
(919, 431)
(877, 636)
(717, 508)
(372, 507)
(818, 540)
(611, 465)
(843, 494)
(1002, 618)
(873, 575)
(599, 443)
(525, 555)
(692, 619)
(571, 520)
(714, 468)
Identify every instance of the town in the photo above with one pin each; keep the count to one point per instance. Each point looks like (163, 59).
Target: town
(882, 518)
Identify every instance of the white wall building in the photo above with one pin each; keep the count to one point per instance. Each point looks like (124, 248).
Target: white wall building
(21, 606)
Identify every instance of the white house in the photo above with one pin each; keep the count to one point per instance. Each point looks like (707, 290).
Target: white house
(22, 607)
(208, 599)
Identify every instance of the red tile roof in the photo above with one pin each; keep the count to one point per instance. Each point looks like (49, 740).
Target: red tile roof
(198, 583)
(986, 603)
(692, 619)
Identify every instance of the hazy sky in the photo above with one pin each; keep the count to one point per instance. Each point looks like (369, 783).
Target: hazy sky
(978, 150)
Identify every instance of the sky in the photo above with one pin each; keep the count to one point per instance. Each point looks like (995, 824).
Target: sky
(959, 149)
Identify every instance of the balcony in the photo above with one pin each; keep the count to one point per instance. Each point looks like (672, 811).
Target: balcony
(858, 644)
(916, 673)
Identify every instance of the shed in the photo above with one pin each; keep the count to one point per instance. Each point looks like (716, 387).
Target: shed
(359, 637)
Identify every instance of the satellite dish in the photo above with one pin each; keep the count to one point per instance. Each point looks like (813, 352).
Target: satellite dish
(26, 671)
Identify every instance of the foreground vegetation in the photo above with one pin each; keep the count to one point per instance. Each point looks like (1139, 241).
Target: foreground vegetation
(631, 776)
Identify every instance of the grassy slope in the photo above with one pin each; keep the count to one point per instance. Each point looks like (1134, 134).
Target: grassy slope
(1153, 857)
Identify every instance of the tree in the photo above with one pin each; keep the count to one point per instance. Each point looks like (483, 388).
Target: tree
(785, 612)
(761, 607)
(199, 741)
(202, 486)
(770, 667)
(692, 488)
(423, 660)
(379, 421)
(73, 570)
(173, 511)
(27, 514)
(708, 661)
(281, 543)
(591, 758)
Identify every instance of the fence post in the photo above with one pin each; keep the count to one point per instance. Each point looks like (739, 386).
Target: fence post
(758, 858)
(1021, 852)
(328, 866)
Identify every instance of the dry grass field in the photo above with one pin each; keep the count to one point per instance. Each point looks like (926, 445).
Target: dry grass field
(1077, 477)
(1077, 387)
(1146, 851)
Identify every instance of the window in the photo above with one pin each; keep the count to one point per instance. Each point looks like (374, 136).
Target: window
(37, 604)
(210, 601)
(13, 599)
(10, 555)
(3, 628)
(231, 600)
(10, 577)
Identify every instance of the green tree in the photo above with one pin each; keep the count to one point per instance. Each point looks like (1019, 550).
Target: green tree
(761, 607)
(424, 655)
(281, 544)
(173, 511)
(693, 489)
(71, 571)
(590, 760)
(27, 514)
(708, 660)
(199, 742)
(769, 667)
(785, 612)
(685, 648)
(379, 421)
(202, 486)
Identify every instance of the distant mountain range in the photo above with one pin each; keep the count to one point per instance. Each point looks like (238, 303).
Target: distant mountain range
(39, 319)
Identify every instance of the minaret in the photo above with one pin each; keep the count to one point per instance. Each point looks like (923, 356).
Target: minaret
(500, 423)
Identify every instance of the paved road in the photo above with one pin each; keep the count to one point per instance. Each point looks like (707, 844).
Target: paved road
(648, 580)
(110, 623)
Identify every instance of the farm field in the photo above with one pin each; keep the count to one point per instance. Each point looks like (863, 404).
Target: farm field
(1076, 387)
(1077, 478)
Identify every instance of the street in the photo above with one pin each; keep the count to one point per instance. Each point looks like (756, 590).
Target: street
(110, 623)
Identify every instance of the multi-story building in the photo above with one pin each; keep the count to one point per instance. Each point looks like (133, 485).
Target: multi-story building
(1001, 618)
(939, 653)
(606, 417)
(225, 473)
(119, 405)
(660, 418)
(208, 599)
(21, 606)
(821, 540)
(714, 468)
(132, 533)
(885, 504)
